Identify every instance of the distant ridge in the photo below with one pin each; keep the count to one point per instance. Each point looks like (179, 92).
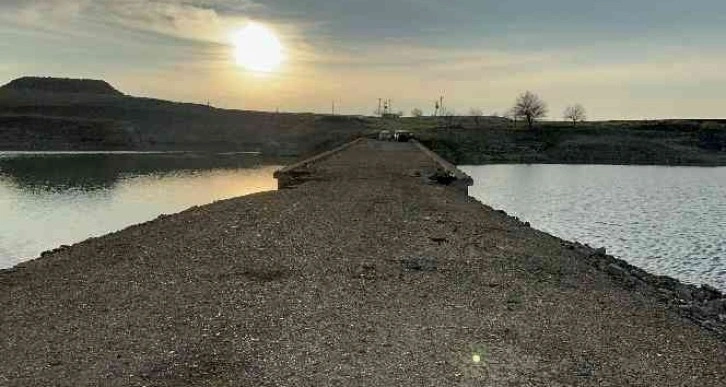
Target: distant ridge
(62, 85)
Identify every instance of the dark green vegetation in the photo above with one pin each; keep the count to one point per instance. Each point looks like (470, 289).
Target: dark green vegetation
(52, 114)
(669, 142)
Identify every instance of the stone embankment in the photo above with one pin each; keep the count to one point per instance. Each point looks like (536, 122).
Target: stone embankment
(704, 305)
(370, 272)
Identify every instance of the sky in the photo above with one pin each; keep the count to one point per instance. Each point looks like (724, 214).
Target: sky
(620, 59)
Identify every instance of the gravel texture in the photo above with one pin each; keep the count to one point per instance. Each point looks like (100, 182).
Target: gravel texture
(367, 274)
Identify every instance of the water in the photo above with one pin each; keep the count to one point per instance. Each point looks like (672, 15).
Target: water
(50, 199)
(667, 220)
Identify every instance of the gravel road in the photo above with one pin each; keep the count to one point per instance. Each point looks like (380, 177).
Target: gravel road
(366, 275)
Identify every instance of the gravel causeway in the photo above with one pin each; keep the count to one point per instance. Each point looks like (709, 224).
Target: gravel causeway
(370, 273)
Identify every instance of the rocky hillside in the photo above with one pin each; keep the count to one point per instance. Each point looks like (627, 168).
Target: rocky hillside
(61, 85)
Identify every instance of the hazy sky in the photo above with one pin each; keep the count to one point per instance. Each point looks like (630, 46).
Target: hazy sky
(619, 58)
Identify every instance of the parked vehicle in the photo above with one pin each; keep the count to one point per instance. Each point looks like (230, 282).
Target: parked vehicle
(402, 135)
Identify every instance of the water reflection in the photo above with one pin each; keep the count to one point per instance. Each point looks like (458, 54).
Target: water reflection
(90, 171)
(47, 201)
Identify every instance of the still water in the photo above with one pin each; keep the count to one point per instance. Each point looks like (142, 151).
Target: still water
(667, 220)
(50, 199)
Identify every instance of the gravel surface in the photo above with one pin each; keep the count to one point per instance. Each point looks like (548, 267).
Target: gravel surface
(367, 275)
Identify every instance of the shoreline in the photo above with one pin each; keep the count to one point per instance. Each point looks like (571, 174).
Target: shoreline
(272, 158)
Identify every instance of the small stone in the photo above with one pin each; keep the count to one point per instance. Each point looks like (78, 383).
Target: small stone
(616, 270)
(684, 293)
(585, 369)
(438, 240)
(715, 293)
(419, 264)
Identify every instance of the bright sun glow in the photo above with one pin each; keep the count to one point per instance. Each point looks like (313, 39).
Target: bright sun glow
(257, 48)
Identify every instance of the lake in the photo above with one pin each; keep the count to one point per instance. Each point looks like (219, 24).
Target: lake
(667, 220)
(51, 199)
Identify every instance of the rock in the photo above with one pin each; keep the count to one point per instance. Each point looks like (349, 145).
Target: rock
(441, 177)
(705, 293)
(365, 271)
(715, 293)
(715, 307)
(419, 264)
(616, 270)
(438, 240)
(568, 245)
(623, 275)
(684, 293)
(585, 369)
(600, 251)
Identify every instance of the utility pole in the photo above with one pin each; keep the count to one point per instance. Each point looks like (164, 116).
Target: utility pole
(379, 107)
(333, 107)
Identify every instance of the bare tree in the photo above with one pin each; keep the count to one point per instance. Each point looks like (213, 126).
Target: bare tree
(575, 113)
(531, 107)
(416, 112)
(477, 114)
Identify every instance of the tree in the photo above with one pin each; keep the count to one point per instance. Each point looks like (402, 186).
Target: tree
(477, 114)
(416, 112)
(575, 113)
(531, 107)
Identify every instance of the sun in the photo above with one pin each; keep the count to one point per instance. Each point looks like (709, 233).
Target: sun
(256, 48)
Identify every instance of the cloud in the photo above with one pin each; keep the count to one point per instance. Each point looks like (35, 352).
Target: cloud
(167, 18)
(39, 12)
(190, 20)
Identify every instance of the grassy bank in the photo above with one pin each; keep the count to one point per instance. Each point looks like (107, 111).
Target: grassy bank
(496, 140)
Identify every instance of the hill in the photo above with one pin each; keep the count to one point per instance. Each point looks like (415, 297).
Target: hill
(62, 114)
(61, 85)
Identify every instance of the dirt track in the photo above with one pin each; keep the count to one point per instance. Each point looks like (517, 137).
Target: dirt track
(365, 276)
